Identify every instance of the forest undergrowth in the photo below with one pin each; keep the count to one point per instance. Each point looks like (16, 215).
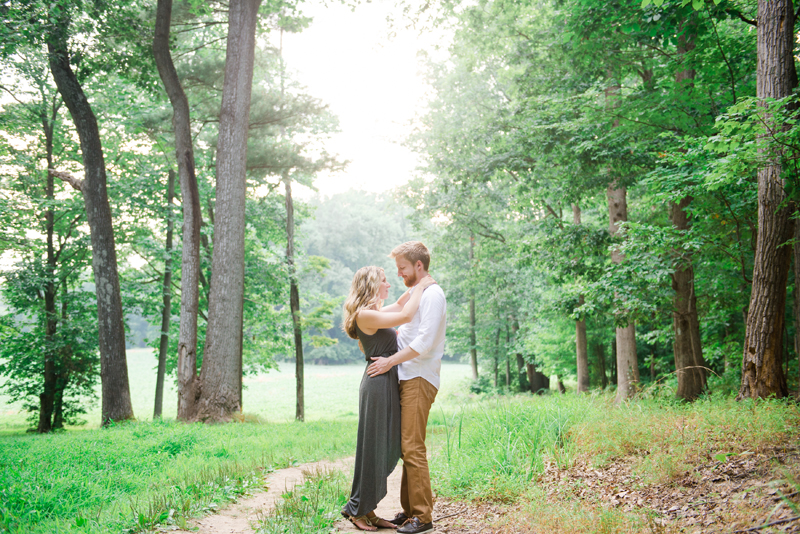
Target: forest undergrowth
(584, 464)
(556, 463)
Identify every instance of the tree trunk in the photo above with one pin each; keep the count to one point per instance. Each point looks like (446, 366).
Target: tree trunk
(762, 373)
(690, 366)
(47, 397)
(581, 346)
(473, 347)
(116, 398)
(524, 384)
(63, 375)
(219, 391)
(294, 303)
(166, 312)
(601, 364)
(496, 358)
(530, 371)
(796, 250)
(188, 383)
(627, 365)
(582, 352)
(614, 360)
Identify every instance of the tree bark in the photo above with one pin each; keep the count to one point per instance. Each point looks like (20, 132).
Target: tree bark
(166, 312)
(294, 304)
(581, 346)
(219, 392)
(521, 375)
(473, 347)
(188, 382)
(796, 259)
(530, 371)
(601, 364)
(539, 382)
(627, 364)
(47, 397)
(690, 366)
(762, 372)
(63, 375)
(116, 398)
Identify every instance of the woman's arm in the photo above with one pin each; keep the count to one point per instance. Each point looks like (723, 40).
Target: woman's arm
(373, 319)
(397, 306)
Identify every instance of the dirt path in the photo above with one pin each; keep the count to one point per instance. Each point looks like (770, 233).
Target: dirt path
(241, 516)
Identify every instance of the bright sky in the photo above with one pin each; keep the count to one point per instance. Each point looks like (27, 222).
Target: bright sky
(374, 85)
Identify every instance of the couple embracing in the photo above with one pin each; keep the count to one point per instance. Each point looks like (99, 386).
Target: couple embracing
(397, 389)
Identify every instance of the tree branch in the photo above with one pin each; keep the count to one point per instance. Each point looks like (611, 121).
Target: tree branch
(67, 177)
(742, 17)
(554, 214)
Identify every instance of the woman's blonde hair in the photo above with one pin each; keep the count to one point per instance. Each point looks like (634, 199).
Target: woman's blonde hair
(364, 293)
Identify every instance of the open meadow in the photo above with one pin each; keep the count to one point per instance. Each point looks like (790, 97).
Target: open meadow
(331, 392)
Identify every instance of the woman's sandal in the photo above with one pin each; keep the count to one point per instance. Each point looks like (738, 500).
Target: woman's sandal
(364, 520)
(379, 522)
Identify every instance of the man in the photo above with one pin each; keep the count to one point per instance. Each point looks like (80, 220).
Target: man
(419, 361)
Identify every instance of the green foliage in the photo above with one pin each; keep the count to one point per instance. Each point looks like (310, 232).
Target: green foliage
(538, 109)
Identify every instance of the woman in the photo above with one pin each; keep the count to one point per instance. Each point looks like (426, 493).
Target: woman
(378, 445)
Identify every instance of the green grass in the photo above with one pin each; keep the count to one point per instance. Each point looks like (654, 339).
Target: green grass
(311, 507)
(492, 448)
(495, 449)
(136, 474)
(331, 392)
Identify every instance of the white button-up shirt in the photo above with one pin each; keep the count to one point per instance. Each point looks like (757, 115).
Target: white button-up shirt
(425, 335)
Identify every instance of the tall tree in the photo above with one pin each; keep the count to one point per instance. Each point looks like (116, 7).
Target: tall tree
(294, 302)
(190, 201)
(690, 366)
(166, 312)
(762, 370)
(116, 399)
(220, 373)
(581, 344)
(473, 347)
(627, 364)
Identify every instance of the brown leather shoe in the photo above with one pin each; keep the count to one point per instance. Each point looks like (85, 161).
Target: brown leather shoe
(415, 526)
(399, 519)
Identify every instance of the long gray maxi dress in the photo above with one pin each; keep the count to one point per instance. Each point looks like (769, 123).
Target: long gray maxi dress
(378, 446)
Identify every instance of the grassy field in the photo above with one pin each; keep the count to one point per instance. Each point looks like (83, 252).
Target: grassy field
(559, 462)
(331, 392)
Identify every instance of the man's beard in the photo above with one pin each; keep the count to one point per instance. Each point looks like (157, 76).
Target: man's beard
(410, 281)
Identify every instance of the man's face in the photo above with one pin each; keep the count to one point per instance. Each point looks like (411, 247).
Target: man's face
(406, 271)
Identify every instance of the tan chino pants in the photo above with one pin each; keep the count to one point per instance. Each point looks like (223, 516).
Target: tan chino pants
(416, 397)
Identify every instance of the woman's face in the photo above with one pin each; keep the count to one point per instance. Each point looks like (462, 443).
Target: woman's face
(383, 292)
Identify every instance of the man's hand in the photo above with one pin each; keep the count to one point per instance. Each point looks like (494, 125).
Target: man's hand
(379, 366)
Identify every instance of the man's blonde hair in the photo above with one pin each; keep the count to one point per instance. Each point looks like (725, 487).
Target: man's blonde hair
(413, 251)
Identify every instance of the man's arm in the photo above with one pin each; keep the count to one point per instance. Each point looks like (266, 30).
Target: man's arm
(430, 311)
(382, 365)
